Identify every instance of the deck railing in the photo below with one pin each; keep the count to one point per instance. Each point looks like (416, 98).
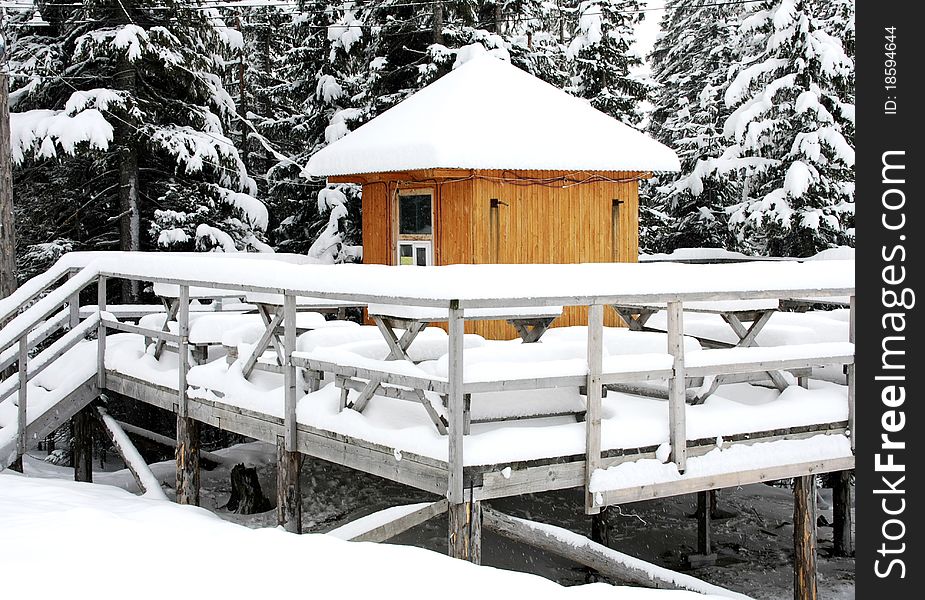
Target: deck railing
(43, 319)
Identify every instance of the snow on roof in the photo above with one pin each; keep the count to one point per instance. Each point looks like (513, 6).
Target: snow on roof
(488, 114)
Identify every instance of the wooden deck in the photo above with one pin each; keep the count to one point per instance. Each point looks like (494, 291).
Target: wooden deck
(463, 485)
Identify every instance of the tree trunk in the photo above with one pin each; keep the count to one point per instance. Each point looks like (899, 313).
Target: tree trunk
(438, 22)
(129, 208)
(7, 225)
(246, 495)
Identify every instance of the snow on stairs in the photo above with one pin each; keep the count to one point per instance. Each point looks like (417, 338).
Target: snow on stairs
(49, 388)
(43, 420)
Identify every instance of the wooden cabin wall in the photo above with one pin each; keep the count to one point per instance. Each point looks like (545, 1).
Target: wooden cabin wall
(377, 228)
(535, 224)
(539, 224)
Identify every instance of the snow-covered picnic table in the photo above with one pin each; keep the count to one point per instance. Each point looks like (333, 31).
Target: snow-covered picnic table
(273, 310)
(736, 313)
(531, 322)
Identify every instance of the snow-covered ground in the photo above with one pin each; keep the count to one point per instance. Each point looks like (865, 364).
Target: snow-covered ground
(119, 545)
(754, 545)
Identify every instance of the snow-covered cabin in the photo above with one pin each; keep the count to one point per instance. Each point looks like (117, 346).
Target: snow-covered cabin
(492, 165)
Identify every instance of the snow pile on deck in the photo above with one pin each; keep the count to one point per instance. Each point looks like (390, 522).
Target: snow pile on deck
(120, 537)
(488, 114)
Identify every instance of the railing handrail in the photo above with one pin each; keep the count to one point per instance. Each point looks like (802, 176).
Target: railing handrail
(24, 322)
(32, 289)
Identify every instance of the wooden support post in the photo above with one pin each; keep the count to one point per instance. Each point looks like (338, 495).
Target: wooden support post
(593, 395)
(187, 457)
(183, 362)
(600, 527)
(804, 538)
(101, 334)
(289, 372)
(851, 375)
(676, 387)
(705, 555)
(288, 487)
(455, 408)
(465, 531)
(82, 446)
(841, 514)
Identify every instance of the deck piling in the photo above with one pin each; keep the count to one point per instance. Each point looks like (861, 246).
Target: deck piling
(82, 448)
(288, 488)
(187, 457)
(465, 531)
(804, 538)
(841, 514)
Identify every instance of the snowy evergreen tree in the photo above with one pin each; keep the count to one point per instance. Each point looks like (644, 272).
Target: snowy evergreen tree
(126, 107)
(792, 132)
(690, 62)
(602, 60)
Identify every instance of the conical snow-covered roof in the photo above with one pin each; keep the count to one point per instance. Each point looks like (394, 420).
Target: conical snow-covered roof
(488, 114)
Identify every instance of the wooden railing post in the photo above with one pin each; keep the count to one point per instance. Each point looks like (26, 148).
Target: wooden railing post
(21, 414)
(289, 460)
(454, 492)
(593, 393)
(464, 517)
(289, 370)
(187, 454)
(676, 388)
(183, 348)
(101, 334)
(73, 305)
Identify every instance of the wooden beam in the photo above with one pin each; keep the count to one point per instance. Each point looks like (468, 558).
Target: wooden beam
(804, 538)
(614, 565)
(144, 478)
(841, 514)
(465, 531)
(380, 531)
(594, 391)
(677, 395)
(724, 480)
(288, 487)
(163, 440)
(82, 446)
(187, 458)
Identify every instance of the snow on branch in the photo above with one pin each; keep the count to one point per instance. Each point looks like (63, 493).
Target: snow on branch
(194, 150)
(42, 132)
(255, 210)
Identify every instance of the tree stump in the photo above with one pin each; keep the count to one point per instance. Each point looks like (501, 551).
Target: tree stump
(246, 495)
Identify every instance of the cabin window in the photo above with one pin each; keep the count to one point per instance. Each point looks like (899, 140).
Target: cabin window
(415, 228)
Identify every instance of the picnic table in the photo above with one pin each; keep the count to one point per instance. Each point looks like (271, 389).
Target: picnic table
(272, 310)
(530, 322)
(736, 313)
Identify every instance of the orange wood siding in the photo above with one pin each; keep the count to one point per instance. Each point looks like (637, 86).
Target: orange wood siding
(377, 229)
(537, 223)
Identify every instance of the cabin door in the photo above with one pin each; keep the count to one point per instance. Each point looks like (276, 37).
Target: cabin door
(415, 228)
